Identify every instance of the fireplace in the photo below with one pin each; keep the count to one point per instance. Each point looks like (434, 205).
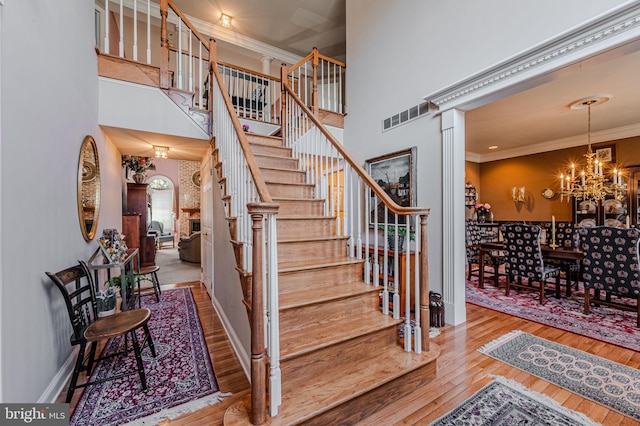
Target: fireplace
(194, 226)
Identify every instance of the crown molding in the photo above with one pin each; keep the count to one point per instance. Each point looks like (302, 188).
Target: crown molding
(611, 29)
(608, 135)
(220, 33)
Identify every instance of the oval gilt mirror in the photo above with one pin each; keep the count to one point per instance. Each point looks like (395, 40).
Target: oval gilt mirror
(88, 188)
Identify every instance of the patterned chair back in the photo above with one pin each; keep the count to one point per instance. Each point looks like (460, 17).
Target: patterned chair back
(522, 246)
(472, 238)
(565, 234)
(611, 259)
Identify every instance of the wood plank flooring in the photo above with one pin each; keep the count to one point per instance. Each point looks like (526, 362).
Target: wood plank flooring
(461, 369)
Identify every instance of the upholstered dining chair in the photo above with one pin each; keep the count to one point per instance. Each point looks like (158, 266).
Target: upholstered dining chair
(523, 259)
(79, 294)
(611, 265)
(473, 238)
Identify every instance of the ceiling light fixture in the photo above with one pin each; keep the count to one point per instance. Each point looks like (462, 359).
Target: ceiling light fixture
(225, 20)
(591, 182)
(161, 151)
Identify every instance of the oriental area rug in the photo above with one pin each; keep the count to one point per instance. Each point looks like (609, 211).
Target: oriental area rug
(604, 382)
(606, 324)
(180, 378)
(504, 402)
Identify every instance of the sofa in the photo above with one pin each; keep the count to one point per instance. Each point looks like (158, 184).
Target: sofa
(157, 229)
(189, 248)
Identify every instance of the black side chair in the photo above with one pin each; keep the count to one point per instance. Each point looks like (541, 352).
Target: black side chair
(611, 265)
(524, 259)
(77, 289)
(473, 238)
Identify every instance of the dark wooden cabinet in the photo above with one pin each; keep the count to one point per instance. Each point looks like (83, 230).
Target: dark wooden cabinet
(135, 223)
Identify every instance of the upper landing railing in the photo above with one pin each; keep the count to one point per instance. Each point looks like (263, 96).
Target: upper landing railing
(131, 29)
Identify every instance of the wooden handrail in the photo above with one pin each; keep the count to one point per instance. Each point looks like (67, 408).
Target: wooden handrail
(300, 62)
(186, 21)
(392, 205)
(258, 180)
(333, 61)
(319, 56)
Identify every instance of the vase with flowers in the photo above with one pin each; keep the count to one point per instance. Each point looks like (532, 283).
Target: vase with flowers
(482, 211)
(139, 166)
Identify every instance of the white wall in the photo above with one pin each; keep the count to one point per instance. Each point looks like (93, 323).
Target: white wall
(398, 52)
(49, 104)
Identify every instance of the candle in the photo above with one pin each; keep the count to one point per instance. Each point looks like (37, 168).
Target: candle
(583, 177)
(615, 176)
(561, 181)
(553, 230)
(573, 171)
(627, 221)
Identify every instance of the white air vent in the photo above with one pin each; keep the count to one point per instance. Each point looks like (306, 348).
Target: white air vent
(405, 116)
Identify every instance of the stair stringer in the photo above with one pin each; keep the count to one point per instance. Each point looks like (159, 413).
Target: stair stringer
(185, 100)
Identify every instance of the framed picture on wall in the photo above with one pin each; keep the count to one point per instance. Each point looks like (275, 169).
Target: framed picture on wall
(395, 173)
(606, 153)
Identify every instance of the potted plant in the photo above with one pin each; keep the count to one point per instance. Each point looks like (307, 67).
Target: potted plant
(117, 283)
(106, 301)
(391, 235)
(139, 165)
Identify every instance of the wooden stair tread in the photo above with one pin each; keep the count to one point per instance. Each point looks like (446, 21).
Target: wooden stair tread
(290, 183)
(303, 399)
(303, 239)
(304, 297)
(316, 263)
(306, 339)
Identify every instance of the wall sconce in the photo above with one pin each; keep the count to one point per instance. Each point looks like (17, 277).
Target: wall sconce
(225, 20)
(517, 194)
(161, 151)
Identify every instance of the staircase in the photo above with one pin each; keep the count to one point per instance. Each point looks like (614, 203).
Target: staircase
(341, 359)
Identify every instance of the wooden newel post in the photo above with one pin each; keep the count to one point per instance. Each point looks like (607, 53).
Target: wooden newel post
(164, 45)
(258, 355)
(424, 284)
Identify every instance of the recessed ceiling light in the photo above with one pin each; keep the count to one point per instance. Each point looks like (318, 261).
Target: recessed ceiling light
(493, 147)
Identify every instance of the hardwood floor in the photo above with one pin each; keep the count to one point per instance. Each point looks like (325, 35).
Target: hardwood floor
(461, 369)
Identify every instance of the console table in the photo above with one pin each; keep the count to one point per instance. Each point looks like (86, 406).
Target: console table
(97, 262)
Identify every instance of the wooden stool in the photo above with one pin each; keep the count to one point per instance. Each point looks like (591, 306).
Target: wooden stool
(153, 272)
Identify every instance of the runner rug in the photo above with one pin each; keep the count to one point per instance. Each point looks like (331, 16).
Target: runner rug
(606, 324)
(604, 382)
(505, 402)
(180, 378)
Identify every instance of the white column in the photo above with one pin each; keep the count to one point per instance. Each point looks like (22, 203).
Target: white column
(453, 210)
(266, 65)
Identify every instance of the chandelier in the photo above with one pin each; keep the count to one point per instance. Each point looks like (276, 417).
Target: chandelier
(591, 183)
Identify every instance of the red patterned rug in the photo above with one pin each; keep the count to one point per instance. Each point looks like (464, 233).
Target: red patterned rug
(607, 324)
(180, 378)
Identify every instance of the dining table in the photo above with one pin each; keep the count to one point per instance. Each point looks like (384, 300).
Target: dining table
(548, 252)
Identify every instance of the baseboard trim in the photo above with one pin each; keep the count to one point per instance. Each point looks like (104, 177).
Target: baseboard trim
(59, 381)
(242, 355)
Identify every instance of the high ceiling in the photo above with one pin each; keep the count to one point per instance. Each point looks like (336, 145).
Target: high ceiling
(294, 26)
(539, 119)
(535, 120)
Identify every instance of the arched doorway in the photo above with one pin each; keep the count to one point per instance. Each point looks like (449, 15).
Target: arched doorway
(163, 205)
